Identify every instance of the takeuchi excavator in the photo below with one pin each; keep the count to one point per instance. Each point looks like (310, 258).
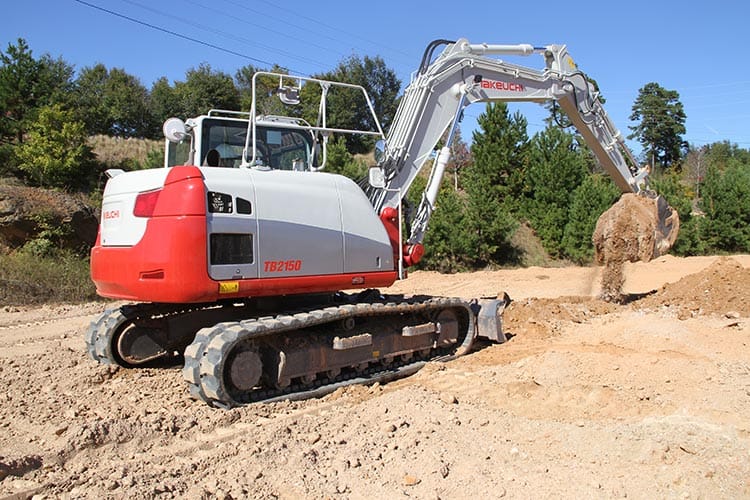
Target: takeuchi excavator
(261, 272)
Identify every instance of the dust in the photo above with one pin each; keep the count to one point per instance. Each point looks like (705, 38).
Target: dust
(624, 233)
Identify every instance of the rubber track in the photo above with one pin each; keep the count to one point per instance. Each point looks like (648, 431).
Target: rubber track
(99, 336)
(205, 356)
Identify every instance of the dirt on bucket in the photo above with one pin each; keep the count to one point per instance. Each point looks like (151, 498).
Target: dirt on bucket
(627, 232)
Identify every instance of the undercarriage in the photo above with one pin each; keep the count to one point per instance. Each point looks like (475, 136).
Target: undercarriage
(239, 353)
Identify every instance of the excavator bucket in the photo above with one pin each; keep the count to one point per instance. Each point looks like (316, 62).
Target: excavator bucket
(638, 227)
(667, 227)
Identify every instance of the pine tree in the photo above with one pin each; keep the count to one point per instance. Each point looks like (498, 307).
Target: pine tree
(446, 244)
(588, 201)
(499, 150)
(341, 161)
(662, 123)
(556, 168)
(726, 203)
(676, 194)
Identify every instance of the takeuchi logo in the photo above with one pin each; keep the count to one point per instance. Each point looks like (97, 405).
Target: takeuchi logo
(509, 86)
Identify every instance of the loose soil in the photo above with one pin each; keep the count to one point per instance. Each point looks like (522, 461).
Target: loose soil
(629, 231)
(649, 398)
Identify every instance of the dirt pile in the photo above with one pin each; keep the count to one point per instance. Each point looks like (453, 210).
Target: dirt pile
(630, 231)
(723, 288)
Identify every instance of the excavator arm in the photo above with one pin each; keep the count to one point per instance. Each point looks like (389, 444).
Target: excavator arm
(463, 74)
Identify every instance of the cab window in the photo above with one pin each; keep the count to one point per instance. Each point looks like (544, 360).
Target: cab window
(278, 148)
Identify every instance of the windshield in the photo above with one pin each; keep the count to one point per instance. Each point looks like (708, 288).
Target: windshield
(222, 143)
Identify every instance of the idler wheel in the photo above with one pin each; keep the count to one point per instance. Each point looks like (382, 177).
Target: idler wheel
(245, 370)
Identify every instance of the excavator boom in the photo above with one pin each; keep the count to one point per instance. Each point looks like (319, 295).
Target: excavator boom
(466, 73)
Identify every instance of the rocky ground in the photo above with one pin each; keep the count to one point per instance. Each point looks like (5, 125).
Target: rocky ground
(588, 399)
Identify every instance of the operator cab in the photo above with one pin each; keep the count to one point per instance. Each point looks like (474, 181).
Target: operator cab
(234, 139)
(218, 140)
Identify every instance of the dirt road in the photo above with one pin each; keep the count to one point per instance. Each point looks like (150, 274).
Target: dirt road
(588, 399)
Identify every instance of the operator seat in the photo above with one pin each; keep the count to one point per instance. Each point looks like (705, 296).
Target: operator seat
(212, 158)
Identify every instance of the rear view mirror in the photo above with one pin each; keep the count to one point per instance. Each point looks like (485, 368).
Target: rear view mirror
(379, 151)
(174, 130)
(288, 95)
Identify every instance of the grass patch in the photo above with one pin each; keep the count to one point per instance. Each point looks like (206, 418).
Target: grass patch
(530, 248)
(27, 278)
(116, 152)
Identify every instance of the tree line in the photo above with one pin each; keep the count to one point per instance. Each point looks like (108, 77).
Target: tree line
(550, 181)
(49, 109)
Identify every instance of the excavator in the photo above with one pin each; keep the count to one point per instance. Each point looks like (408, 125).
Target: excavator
(260, 271)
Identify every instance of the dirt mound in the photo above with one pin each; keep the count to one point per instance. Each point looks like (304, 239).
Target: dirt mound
(722, 288)
(630, 231)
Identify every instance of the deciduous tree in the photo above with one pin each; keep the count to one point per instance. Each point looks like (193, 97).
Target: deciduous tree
(163, 103)
(113, 102)
(205, 88)
(55, 153)
(348, 109)
(267, 102)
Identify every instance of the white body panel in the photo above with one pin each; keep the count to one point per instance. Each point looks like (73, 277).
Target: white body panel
(119, 227)
(302, 224)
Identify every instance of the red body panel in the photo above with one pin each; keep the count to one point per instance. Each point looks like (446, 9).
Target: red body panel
(174, 270)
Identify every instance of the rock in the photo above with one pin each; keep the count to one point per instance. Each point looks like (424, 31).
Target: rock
(389, 428)
(449, 399)
(19, 466)
(26, 211)
(444, 471)
(410, 480)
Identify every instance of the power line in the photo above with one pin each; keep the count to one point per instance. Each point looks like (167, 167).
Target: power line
(333, 28)
(225, 34)
(312, 27)
(305, 29)
(174, 33)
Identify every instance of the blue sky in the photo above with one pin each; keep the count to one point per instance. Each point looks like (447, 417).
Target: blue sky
(699, 51)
